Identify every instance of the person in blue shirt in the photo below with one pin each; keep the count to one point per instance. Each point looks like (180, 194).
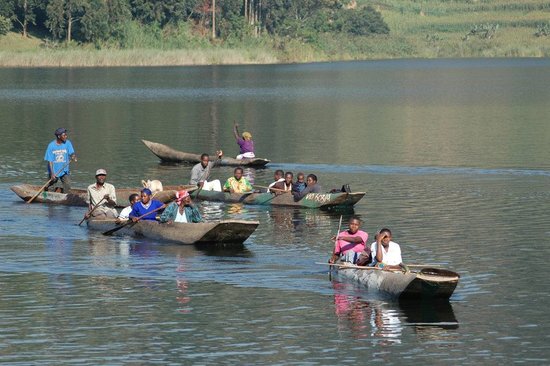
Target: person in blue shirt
(59, 153)
(146, 205)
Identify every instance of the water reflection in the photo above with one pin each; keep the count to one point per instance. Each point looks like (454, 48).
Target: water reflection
(384, 322)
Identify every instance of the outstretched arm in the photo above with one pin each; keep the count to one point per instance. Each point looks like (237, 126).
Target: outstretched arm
(236, 130)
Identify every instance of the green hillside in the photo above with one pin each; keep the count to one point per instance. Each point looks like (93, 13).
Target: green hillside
(435, 28)
(426, 29)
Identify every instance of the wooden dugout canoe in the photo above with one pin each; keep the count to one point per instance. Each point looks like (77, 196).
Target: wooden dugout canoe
(170, 155)
(77, 197)
(425, 283)
(225, 231)
(322, 201)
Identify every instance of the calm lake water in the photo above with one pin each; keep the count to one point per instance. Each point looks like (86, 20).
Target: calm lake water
(454, 156)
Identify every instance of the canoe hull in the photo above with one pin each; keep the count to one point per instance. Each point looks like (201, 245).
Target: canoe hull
(77, 197)
(427, 283)
(312, 200)
(224, 232)
(168, 154)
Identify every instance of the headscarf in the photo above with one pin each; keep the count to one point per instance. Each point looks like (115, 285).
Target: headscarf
(180, 195)
(147, 191)
(247, 136)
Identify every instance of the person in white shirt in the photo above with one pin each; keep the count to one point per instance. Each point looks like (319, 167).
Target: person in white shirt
(386, 253)
(125, 213)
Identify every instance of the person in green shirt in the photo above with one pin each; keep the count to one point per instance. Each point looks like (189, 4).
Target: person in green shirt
(237, 183)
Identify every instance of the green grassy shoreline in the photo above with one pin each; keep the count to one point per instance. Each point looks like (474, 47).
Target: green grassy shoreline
(294, 53)
(430, 29)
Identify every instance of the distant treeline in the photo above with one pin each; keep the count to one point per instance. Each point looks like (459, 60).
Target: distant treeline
(115, 23)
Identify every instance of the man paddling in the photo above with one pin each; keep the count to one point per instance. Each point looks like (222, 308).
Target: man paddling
(200, 172)
(101, 197)
(58, 154)
(350, 244)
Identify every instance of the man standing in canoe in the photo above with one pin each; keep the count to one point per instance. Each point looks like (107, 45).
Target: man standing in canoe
(385, 253)
(350, 244)
(246, 145)
(182, 210)
(237, 183)
(101, 197)
(201, 171)
(59, 153)
(145, 206)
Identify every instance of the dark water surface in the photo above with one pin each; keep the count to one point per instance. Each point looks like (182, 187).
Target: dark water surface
(454, 156)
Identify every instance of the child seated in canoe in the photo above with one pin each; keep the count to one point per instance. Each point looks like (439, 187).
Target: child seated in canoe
(147, 208)
(385, 253)
(349, 244)
(300, 183)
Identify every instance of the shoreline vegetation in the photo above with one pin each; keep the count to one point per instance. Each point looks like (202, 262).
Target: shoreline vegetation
(403, 29)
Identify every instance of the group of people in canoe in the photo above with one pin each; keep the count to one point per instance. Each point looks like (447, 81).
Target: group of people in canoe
(351, 247)
(101, 196)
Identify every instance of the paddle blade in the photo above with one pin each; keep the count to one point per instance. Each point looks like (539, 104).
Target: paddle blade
(113, 230)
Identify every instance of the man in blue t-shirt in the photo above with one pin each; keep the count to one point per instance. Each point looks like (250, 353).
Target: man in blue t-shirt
(146, 205)
(59, 153)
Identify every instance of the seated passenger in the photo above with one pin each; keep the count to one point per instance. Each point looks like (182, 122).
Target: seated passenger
(201, 171)
(125, 213)
(182, 210)
(300, 183)
(246, 145)
(237, 183)
(385, 253)
(146, 205)
(350, 243)
(311, 187)
(101, 197)
(278, 176)
(285, 185)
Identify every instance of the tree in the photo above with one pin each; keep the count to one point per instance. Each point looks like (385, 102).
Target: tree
(363, 21)
(25, 13)
(292, 17)
(62, 14)
(103, 19)
(162, 11)
(5, 25)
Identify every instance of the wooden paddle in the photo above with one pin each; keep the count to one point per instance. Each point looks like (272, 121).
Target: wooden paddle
(93, 209)
(110, 232)
(275, 189)
(48, 182)
(353, 266)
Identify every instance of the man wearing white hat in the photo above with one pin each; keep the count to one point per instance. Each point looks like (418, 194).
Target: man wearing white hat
(101, 197)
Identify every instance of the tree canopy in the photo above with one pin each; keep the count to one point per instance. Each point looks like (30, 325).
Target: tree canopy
(110, 21)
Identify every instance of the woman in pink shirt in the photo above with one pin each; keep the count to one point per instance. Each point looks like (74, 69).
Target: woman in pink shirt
(350, 243)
